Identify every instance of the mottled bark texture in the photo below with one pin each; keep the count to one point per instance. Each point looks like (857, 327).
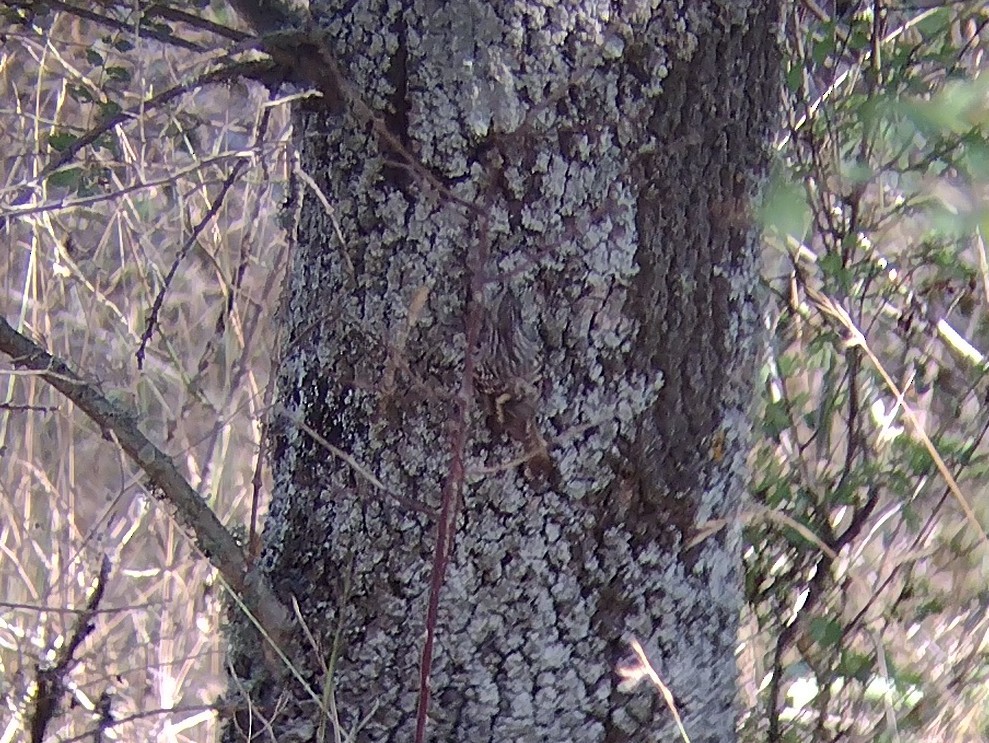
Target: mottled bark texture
(611, 151)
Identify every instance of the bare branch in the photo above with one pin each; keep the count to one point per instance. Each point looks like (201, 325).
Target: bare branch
(51, 681)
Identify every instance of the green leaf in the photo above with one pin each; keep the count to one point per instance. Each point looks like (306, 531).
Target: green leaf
(837, 274)
(105, 142)
(785, 209)
(788, 365)
(823, 48)
(70, 177)
(920, 461)
(80, 93)
(795, 79)
(119, 74)
(60, 141)
(775, 420)
(797, 538)
(108, 109)
(934, 23)
(855, 665)
(825, 631)
(860, 37)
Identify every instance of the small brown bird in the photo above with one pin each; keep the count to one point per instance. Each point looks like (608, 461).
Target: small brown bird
(508, 374)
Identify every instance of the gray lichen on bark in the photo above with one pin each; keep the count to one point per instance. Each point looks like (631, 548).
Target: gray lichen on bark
(610, 155)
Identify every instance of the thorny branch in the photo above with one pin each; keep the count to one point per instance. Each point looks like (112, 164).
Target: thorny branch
(149, 327)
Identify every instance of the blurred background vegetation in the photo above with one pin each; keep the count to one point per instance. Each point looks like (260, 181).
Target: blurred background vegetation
(867, 561)
(130, 193)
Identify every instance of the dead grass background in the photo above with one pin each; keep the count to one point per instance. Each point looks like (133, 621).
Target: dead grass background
(81, 278)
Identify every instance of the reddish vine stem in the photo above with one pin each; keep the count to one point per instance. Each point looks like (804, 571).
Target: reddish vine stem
(452, 497)
(453, 487)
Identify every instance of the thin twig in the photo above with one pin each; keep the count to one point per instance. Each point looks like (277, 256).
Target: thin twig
(169, 13)
(149, 326)
(632, 675)
(361, 470)
(108, 22)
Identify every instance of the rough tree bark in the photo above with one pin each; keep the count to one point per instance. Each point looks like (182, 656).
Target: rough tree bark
(598, 160)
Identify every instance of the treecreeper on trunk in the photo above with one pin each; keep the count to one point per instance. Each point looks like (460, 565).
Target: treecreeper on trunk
(508, 375)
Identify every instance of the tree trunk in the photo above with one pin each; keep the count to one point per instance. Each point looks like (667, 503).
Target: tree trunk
(596, 166)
